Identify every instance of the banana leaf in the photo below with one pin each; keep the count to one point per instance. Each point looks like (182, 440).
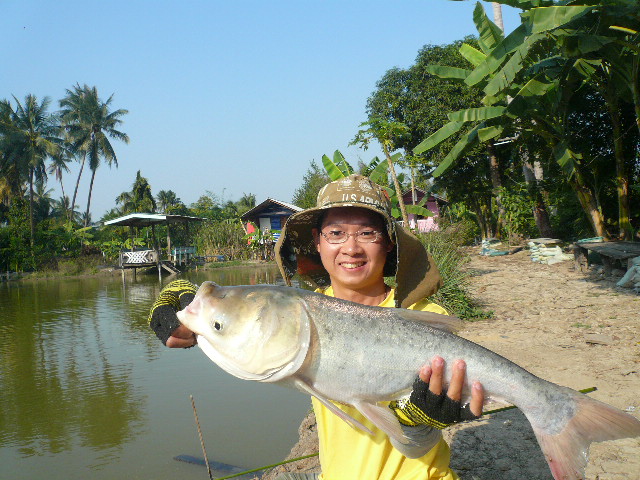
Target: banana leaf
(549, 18)
(342, 163)
(338, 167)
(587, 68)
(490, 34)
(332, 170)
(451, 73)
(379, 173)
(474, 56)
(489, 133)
(514, 65)
(469, 139)
(575, 44)
(530, 92)
(566, 158)
(475, 114)
(497, 56)
(623, 29)
(552, 64)
(438, 137)
(536, 22)
(418, 210)
(526, 4)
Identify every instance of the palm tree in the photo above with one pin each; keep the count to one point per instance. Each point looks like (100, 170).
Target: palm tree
(246, 203)
(167, 200)
(60, 208)
(73, 111)
(139, 199)
(90, 124)
(42, 201)
(57, 166)
(11, 180)
(31, 135)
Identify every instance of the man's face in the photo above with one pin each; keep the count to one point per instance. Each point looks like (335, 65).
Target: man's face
(353, 265)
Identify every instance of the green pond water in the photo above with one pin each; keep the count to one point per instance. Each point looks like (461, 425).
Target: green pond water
(88, 391)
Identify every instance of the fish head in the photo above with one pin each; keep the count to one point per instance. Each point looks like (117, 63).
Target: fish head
(253, 332)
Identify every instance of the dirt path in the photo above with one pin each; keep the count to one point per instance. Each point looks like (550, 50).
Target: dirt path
(543, 317)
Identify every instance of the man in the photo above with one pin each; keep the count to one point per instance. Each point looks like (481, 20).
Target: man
(345, 247)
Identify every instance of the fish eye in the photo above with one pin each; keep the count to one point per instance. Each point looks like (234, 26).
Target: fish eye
(217, 326)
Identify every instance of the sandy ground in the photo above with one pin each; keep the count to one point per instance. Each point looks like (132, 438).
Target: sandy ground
(545, 319)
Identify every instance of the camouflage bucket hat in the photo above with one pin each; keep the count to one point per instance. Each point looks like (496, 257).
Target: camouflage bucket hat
(416, 274)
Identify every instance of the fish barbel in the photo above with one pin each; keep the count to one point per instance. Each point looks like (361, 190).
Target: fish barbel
(341, 351)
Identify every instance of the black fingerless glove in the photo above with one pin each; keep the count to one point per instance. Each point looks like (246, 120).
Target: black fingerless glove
(426, 408)
(173, 298)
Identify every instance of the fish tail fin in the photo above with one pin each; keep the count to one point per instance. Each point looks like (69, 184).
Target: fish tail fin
(567, 451)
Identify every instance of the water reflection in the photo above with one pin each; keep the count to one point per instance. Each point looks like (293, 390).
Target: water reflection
(87, 390)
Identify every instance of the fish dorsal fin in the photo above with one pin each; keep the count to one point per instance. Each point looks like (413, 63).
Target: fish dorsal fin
(438, 321)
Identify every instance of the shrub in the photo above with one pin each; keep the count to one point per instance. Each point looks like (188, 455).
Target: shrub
(226, 237)
(454, 294)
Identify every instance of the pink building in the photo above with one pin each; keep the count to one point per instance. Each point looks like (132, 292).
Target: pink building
(434, 203)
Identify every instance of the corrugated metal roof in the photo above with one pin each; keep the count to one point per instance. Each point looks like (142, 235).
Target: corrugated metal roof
(269, 201)
(147, 219)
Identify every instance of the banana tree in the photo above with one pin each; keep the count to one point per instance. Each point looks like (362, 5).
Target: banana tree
(386, 133)
(377, 171)
(603, 44)
(514, 68)
(490, 119)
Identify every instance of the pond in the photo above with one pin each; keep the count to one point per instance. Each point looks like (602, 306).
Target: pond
(88, 391)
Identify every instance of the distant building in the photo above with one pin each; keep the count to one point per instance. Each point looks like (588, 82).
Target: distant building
(434, 203)
(269, 215)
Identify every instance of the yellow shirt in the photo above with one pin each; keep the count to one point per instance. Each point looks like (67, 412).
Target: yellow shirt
(347, 453)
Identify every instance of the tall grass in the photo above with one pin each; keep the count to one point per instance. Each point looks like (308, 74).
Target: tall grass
(454, 296)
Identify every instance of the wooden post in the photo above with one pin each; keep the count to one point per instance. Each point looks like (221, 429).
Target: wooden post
(580, 258)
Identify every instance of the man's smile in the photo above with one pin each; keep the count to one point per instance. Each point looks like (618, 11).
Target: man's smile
(352, 264)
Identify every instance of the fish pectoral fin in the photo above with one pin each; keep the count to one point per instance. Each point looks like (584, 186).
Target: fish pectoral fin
(305, 387)
(383, 418)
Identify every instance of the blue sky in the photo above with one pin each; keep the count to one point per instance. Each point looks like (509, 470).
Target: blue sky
(232, 97)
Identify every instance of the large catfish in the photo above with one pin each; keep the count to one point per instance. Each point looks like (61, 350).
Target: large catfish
(346, 352)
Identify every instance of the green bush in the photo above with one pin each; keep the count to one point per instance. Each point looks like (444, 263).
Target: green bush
(454, 294)
(226, 237)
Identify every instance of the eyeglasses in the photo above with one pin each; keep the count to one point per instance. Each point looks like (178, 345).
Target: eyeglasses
(363, 236)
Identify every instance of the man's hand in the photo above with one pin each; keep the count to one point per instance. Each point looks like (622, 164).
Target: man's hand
(433, 376)
(428, 405)
(163, 319)
(181, 337)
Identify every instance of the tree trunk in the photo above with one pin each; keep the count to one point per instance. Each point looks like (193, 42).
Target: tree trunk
(635, 87)
(622, 178)
(396, 184)
(63, 194)
(483, 217)
(168, 241)
(496, 182)
(588, 203)
(540, 212)
(75, 191)
(31, 219)
(413, 186)
(86, 216)
(497, 15)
